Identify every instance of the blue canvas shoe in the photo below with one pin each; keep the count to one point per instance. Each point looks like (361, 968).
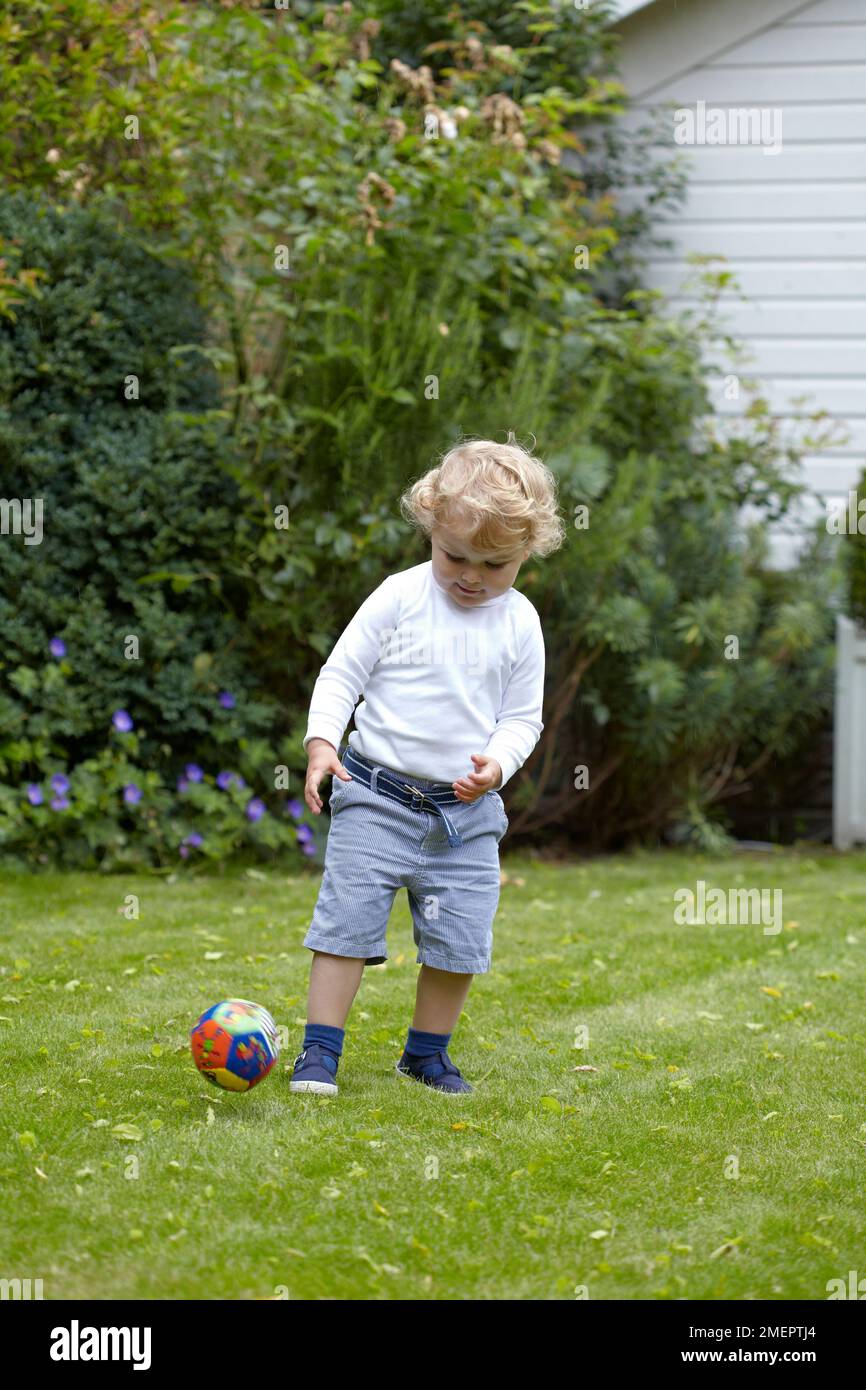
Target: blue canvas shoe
(437, 1071)
(315, 1070)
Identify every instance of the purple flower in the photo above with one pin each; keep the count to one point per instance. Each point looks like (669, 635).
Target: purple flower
(309, 848)
(193, 772)
(224, 780)
(227, 700)
(256, 808)
(295, 809)
(60, 784)
(131, 794)
(57, 647)
(34, 794)
(182, 784)
(195, 840)
(60, 803)
(121, 721)
(183, 852)
(304, 834)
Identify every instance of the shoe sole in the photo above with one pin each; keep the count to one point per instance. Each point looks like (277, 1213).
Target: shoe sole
(318, 1088)
(407, 1076)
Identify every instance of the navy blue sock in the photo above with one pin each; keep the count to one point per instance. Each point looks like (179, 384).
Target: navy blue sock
(420, 1044)
(331, 1039)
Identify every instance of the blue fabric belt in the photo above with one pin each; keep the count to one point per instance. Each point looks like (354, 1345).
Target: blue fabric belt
(436, 796)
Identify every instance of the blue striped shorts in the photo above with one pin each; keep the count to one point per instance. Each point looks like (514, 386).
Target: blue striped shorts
(377, 846)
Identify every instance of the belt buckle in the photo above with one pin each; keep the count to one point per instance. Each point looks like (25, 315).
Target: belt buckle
(416, 793)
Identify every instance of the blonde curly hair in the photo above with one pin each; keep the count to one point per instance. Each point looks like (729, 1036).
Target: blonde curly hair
(498, 497)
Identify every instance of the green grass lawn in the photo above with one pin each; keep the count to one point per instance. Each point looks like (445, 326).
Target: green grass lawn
(716, 1151)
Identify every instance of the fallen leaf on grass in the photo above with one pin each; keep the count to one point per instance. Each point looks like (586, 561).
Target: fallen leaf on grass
(726, 1248)
(125, 1131)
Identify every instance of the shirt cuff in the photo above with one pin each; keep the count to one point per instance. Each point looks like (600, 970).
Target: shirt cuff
(322, 730)
(506, 761)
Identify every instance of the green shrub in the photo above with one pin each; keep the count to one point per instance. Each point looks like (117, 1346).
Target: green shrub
(466, 278)
(856, 559)
(431, 288)
(125, 604)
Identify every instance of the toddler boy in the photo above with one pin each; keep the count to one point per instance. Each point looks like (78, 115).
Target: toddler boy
(449, 658)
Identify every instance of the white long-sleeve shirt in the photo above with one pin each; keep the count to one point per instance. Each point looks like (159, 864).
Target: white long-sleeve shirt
(440, 681)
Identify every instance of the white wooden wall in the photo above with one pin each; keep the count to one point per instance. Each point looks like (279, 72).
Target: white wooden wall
(849, 752)
(791, 225)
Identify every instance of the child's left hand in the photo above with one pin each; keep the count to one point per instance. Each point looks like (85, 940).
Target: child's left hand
(486, 777)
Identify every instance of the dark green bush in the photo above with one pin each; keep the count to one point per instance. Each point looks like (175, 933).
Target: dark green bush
(129, 582)
(856, 559)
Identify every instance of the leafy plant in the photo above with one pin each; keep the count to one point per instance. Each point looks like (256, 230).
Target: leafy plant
(396, 245)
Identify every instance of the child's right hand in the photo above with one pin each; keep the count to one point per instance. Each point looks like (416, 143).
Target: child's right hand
(322, 760)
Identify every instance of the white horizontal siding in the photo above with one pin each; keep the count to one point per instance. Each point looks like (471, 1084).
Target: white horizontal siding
(830, 477)
(831, 123)
(790, 225)
(764, 241)
(800, 280)
(768, 84)
(812, 43)
(784, 318)
(777, 204)
(804, 431)
(844, 397)
(795, 162)
(803, 357)
(829, 12)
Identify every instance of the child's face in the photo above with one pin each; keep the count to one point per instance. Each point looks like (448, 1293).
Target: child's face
(470, 576)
